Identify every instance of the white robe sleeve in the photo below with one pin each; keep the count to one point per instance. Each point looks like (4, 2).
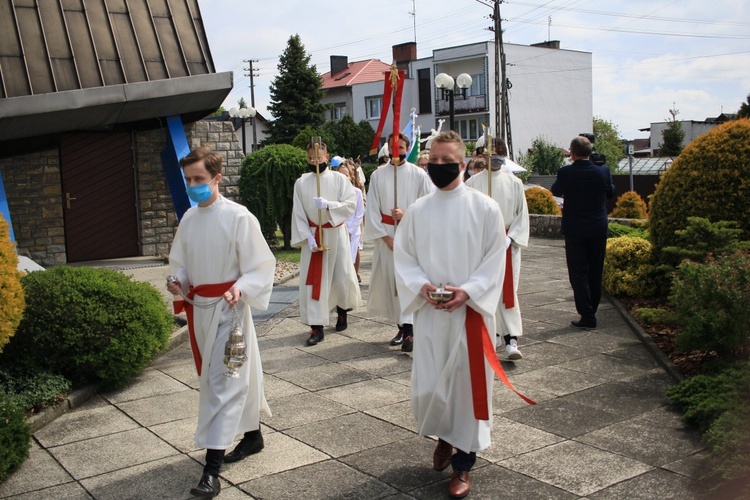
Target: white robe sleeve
(300, 226)
(374, 227)
(343, 207)
(410, 277)
(483, 284)
(257, 263)
(519, 227)
(353, 223)
(178, 262)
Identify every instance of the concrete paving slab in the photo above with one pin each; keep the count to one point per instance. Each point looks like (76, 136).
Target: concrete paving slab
(382, 364)
(594, 340)
(178, 433)
(693, 466)
(324, 376)
(38, 472)
(368, 395)
(282, 359)
(511, 438)
(281, 453)
(85, 423)
(338, 347)
(178, 364)
(605, 367)
(399, 414)
(657, 483)
(150, 382)
(575, 467)
(302, 409)
(345, 482)
(109, 453)
(170, 477)
(493, 482)
(635, 438)
(160, 409)
(343, 435)
(276, 388)
(68, 491)
(564, 417)
(557, 380)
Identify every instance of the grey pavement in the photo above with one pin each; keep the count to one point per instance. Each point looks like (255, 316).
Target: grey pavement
(342, 426)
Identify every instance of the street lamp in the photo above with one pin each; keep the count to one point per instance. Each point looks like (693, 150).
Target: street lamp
(445, 82)
(243, 114)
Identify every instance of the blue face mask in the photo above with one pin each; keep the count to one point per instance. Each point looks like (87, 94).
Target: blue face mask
(199, 193)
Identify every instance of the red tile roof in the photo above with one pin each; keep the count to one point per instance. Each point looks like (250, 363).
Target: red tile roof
(370, 70)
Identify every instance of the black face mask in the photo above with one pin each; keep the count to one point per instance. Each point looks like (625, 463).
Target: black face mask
(401, 158)
(443, 174)
(322, 166)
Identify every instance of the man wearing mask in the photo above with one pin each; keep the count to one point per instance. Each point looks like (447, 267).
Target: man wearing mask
(383, 214)
(327, 276)
(221, 262)
(507, 191)
(451, 397)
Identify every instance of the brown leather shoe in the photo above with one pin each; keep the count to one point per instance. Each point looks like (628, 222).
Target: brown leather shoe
(460, 486)
(441, 459)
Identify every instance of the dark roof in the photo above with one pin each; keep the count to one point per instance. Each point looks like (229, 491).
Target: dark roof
(101, 63)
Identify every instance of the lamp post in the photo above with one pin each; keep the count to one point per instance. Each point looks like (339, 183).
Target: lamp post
(445, 82)
(243, 114)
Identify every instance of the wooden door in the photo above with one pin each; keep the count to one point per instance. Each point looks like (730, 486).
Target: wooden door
(99, 197)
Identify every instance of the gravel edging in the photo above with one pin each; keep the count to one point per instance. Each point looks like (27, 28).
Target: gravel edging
(647, 341)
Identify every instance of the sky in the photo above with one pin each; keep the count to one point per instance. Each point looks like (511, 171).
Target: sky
(649, 56)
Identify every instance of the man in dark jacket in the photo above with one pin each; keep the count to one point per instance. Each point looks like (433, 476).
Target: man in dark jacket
(585, 188)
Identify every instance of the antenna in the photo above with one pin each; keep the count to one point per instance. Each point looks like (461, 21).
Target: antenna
(549, 25)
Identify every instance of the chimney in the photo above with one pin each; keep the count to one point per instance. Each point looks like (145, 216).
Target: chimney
(550, 44)
(404, 53)
(339, 64)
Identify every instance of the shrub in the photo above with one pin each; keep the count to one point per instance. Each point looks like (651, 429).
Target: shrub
(617, 230)
(628, 267)
(14, 436)
(544, 157)
(701, 238)
(33, 390)
(12, 301)
(267, 187)
(713, 304)
(655, 315)
(540, 201)
(710, 179)
(630, 206)
(90, 325)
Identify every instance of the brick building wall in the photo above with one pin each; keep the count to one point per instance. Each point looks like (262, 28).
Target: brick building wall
(34, 190)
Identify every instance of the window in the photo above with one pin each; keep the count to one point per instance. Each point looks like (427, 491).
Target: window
(373, 106)
(424, 88)
(477, 85)
(338, 111)
(470, 129)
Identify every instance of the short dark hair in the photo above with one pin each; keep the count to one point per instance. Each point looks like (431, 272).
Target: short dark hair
(401, 137)
(581, 147)
(211, 159)
(500, 147)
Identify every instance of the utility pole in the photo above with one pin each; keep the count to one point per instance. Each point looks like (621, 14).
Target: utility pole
(251, 72)
(502, 107)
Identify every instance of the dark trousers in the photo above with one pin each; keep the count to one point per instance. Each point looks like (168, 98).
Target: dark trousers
(585, 258)
(463, 461)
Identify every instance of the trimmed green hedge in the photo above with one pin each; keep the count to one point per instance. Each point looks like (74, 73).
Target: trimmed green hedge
(15, 436)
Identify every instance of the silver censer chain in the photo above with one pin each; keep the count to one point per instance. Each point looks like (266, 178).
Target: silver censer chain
(235, 349)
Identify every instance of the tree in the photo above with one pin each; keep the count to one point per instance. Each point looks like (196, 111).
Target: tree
(672, 136)
(744, 111)
(242, 103)
(545, 158)
(608, 142)
(296, 95)
(352, 139)
(267, 187)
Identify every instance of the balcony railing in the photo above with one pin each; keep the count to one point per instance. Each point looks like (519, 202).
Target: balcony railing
(470, 104)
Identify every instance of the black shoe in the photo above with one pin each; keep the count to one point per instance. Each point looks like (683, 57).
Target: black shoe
(408, 344)
(399, 338)
(341, 323)
(245, 448)
(316, 335)
(359, 279)
(208, 487)
(588, 325)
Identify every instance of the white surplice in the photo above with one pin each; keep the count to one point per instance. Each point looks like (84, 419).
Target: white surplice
(216, 244)
(449, 237)
(508, 192)
(339, 285)
(413, 183)
(354, 224)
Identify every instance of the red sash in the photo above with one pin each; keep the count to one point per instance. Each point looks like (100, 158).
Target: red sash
(387, 219)
(508, 293)
(315, 270)
(480, 347)
(209, 290)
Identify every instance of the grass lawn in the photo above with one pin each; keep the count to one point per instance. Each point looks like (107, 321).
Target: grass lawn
(287, 255)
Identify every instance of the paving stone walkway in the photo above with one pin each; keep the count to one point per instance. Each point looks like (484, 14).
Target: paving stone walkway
(342, 425)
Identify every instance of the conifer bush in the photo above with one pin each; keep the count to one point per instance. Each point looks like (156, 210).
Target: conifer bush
(540, 201)
(15, 436)
(628, 267)
(630, 206)
(710, 179)
(89, 325)
(12, 301)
